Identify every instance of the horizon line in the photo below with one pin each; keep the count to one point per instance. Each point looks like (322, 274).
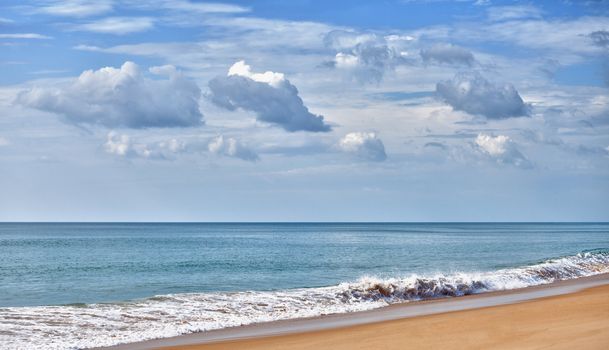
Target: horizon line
(304, 222)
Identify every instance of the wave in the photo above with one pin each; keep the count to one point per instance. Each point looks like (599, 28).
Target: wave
(420, 288)
(93, 325)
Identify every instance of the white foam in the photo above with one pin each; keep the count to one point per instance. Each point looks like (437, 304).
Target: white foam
(94, 325)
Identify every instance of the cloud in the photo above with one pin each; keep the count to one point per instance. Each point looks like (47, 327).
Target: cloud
(471, 93)
(296, 147)
(366, 56)
(506, 13)
(365, 145)
(4, 141)
(231, 147)
(121, 145)
(87, 8)
(447, 53)
(562, 38)
(270, 95)
(600, 38)
(243, 70)
(229, 37)
(549, 67)
(197, 7)
(121, 97)
(90, 48)
(502, 149)
(592, 150)
(24, 36)
(76, 8)
(118, 144)
(117, 25)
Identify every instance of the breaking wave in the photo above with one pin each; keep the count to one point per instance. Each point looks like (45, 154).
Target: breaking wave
(93, 325)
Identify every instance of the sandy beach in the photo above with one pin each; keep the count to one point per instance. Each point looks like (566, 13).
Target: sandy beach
(574, 321)
(563, 315)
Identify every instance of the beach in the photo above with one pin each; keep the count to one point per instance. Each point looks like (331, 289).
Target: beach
(574, 321)
(564, 315)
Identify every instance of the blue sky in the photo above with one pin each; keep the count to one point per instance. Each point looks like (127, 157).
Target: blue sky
(177, 110)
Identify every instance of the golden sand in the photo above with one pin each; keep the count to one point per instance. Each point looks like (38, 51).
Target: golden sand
(573, 321)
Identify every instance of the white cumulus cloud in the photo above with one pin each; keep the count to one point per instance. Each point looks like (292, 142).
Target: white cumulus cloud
(365, 145)
(122, 145)
(244, 70)
(118, 144)
(270, 95)
(121, 97)
(231, 147)
(471, 93)
(502, 149)
(345, 60)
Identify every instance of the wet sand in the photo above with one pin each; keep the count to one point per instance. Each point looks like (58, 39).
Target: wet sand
(564, 315)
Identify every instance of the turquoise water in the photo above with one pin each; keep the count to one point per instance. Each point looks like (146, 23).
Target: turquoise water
(48, 264)
(77, 285)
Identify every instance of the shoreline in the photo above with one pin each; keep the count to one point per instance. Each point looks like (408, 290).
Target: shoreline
(412, 311)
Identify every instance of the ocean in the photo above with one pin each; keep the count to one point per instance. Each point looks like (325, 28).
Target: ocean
(80, 285)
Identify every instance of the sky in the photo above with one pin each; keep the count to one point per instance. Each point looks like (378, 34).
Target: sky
(404, 110)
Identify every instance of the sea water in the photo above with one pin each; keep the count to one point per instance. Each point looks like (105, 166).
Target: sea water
(79, 285)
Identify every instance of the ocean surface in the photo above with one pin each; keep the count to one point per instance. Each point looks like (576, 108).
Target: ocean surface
(80, 285)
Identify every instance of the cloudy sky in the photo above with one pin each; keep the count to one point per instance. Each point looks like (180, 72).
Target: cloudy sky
(405, 110)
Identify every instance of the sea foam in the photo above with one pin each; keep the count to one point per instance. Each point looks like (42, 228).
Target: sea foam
(94, 325)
